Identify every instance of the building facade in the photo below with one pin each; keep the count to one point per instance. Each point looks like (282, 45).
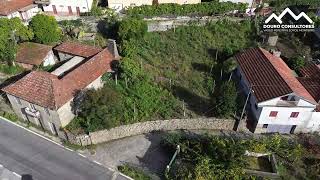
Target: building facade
(119, 5)
(23, 9)
(277, 101)
(65, 8)
(48, 100)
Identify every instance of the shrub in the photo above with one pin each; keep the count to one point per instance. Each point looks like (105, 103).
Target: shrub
(45, 29)
(297, 62)
(132, 28)
(204, 8)
(225, 99)
(133, 172)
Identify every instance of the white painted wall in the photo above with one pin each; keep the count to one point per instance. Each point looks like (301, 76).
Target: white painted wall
(306, 119)
(249, 2)
(24, 16)
(62, 6)
(49, 59)
(118, 5)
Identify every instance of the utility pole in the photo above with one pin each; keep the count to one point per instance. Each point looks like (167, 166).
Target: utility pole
(245, 104)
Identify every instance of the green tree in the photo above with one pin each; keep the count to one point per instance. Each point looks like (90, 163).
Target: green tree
(132, 28)
(11, 32)
(297, 62)
(225, 99)
(45, 29)
(100, 109)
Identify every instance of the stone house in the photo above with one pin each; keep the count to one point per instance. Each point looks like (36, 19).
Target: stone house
(46, 99)
(119, 5)
(277, 100)
(30, 55)
(23, 9)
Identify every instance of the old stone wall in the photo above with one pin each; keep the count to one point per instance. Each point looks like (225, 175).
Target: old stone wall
(160, 125)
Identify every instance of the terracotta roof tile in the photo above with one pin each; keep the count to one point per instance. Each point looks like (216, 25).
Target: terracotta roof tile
(9, 6)
(47, 90)
(311, 81)
(78, 49)
(269, 76)
(32, 53)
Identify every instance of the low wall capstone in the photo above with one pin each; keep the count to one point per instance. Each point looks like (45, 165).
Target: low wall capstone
(160, 125)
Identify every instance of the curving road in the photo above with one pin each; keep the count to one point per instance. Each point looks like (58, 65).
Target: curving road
(30, 155)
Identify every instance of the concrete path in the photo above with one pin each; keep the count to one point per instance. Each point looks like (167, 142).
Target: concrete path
(32, 156)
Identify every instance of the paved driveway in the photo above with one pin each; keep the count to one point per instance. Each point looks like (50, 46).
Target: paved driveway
(28, 154)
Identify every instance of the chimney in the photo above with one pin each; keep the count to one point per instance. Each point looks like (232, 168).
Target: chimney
(275, 52)
(112, 47)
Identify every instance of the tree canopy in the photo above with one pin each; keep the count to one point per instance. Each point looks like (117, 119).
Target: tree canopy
(11, 32)
(45, 29)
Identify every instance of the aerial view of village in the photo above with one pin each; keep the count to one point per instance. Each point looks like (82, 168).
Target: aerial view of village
(159, 89)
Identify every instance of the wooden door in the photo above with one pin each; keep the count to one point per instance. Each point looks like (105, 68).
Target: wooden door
(70, 10)
(78, 11)
(54, 9)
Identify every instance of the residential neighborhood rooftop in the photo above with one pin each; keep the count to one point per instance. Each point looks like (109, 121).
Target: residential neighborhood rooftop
(269, 76)
(78, 49)
(311, 80)
(48, 90)
(9, 6)
(32, 53)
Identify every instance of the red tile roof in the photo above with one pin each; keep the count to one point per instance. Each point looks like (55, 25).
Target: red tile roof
(78, 49)
(32, 53)
(9, 6)
(311, 81)
(47, 90)
(269, 75)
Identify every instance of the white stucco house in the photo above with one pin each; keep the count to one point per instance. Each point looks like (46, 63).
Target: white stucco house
(119, 5)
(46, 98)
(23, 9)
(65, 8)
(30, 55)
(278, 101)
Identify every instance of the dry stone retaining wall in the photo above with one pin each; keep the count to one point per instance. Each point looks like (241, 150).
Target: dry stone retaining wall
(160, 125)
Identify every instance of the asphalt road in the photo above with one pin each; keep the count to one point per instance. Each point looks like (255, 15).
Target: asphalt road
(28, 154)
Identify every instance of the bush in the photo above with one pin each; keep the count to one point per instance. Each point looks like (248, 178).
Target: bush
(133, 173)
(45, 29)
(297, 63)
(132, 28)
(225, 100)
(204, 8)
(10, 70)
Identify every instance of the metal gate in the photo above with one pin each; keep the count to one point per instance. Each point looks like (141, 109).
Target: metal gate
(284, 129)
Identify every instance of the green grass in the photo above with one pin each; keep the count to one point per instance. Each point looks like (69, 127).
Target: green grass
(9, 116)
(133, 173)
(10, 70)
(259, 163)
(184, 60)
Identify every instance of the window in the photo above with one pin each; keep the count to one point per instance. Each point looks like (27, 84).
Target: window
(18, 100)
(32, 106)
(265, 126)
(273, 114)
(84, 8)
(256, 106)
(294, 115)
(284, 98)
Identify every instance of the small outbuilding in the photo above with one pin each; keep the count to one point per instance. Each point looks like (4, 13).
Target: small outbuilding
(32, 55)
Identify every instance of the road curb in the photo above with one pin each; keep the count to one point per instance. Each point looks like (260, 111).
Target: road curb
(66, 148)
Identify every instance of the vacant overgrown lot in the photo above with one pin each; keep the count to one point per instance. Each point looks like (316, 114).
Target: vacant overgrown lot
(164, 74)
(184, 60)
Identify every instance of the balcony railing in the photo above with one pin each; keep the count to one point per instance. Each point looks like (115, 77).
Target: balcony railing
(32, 112)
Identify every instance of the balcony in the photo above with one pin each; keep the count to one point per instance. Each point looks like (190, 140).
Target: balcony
(43, 2)
(32, 112)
